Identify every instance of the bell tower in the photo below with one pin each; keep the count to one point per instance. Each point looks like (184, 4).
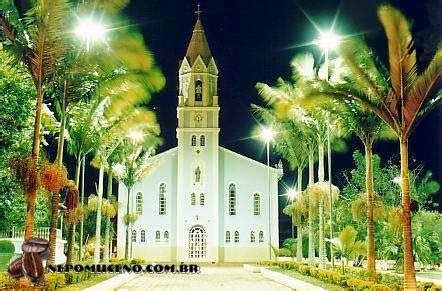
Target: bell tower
(198, 145)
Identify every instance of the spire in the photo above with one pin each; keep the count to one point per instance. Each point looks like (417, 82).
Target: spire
(198, 45)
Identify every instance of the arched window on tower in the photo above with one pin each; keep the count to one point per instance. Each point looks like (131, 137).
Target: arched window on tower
(192, 199)
(232, 199)
(157, 236)
(256, 204)
(143, 236)
(166, 236)
(202, 140)
(261, 236)
(139, 203)
(202, 199)
(237, 236)
(198, 174)
(198, 90)
(193, 140)
(162, 199)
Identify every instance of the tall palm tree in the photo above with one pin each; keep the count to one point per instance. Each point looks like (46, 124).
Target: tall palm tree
(39, 44)
(401, 98)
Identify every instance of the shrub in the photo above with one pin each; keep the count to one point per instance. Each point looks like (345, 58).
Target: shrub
(425, 285)
(6, 247)
(55, 280)
(304, 269)
(381, 287)
(137, 261)
(284, 253)
(359, 284)
(5, 279)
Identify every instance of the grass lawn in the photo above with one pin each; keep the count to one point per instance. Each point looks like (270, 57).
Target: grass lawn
(308, 279)
(90, 282)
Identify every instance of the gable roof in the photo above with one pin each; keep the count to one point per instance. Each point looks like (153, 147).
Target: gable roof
(250, 160)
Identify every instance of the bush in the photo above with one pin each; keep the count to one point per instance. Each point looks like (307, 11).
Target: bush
(5, 279)
(381, 287)
(6, 247)
(359, 284)
(284, 253)
(304, 269)
(55, 280)
(425, 285)
(137, 261)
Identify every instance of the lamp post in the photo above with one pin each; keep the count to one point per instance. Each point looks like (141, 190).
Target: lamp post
(267, 135)
(328, 41)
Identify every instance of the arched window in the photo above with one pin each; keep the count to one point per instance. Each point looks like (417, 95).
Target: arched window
(237, 236)
(261, 236)
(166, 236)
(202, 199)
(198, 174)
(227, 236)
(139, 203)
(256, 204)
(157, 236)
(162, 199)
(198, 90)
(143, 236)
(252, 236)
(193, 140)
(134, 235)
(232, 199)
(202, 140)
(192, 199)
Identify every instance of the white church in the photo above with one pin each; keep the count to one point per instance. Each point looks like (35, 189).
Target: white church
(202, 202)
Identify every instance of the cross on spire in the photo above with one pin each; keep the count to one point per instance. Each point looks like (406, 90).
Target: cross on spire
(198, 11)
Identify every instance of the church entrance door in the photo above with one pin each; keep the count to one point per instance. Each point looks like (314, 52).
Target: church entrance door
(197, 242)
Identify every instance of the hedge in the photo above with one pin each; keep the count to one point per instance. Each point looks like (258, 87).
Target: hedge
(356, 279)
(6, 247)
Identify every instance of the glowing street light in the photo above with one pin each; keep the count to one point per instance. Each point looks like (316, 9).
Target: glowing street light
(328, 40)
(292, 193)
(267, 134)
(90, 31)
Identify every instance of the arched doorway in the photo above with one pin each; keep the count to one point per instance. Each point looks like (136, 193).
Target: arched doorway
(197, 242)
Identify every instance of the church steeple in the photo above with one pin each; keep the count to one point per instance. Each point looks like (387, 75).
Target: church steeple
(198, 45)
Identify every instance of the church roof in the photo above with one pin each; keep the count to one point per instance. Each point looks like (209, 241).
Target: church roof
(198, 45)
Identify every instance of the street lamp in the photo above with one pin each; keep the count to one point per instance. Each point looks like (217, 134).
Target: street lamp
(267, 135)
(90, 31)
(327, 41)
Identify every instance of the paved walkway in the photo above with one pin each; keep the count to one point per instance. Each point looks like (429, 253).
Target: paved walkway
(210, 278)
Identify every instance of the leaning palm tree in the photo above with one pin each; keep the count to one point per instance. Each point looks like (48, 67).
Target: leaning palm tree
(39, 44)
(401, 99)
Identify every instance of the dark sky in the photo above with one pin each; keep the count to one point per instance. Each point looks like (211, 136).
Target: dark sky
(254, 41)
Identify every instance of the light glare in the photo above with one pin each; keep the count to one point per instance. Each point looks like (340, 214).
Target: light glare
(267, 134)
(328, 40)
(90, 31)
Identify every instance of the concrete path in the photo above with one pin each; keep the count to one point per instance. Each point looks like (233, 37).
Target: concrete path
(210, 278)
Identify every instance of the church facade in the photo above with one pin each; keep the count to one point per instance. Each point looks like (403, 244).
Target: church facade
(201, 202)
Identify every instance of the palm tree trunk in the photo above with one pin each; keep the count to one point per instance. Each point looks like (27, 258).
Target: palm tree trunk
(32, 191)
(71, 231)
(60, 147)
(80, 248)
(330, 195)
(299, 227)
(53, 228)
(311, 180)
(371, 258)
(409, 271)
(322, 254)
(126, 249)
(107, 230)
(321, 160)
(98, 221)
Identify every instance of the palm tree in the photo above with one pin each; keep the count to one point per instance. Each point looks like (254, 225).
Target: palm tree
(401, 99)
(298, 210)
(109, 210)
(39, 44)
(347, 247)
(134, 164)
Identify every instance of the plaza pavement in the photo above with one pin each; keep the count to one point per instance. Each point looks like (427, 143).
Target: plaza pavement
(223, 278)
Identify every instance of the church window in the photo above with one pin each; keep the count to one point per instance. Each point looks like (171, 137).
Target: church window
(139, 203)
(237, 236)
(198, 90)
(256, 204)
(192, 199)
(134, 235)
(227, 236)
(157, 236)
(203, 140)
(252, 236)
(193, 141)
(261, 236)
(166, 236)
(162, 199)
(202, 199)
(198, 174)
(143, 236)
(232, 199)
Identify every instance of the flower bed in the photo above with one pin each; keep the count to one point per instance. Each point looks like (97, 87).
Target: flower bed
(356, 279)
